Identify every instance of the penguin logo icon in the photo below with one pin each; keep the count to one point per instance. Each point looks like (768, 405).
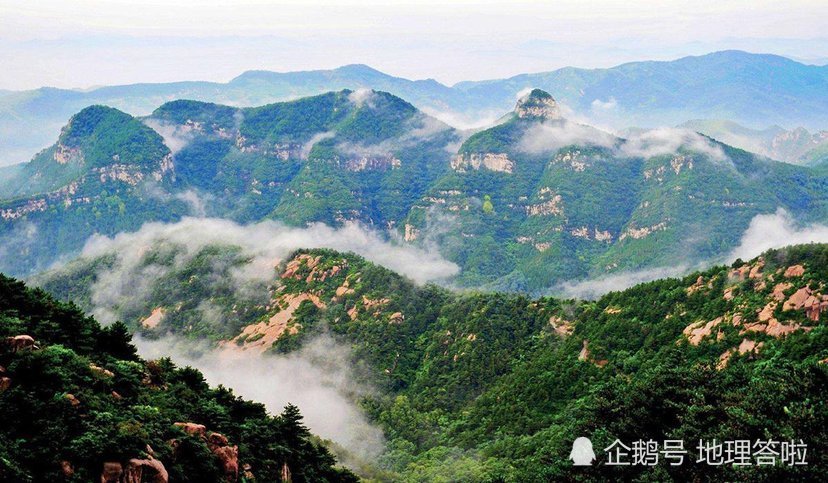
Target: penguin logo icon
(582, 453)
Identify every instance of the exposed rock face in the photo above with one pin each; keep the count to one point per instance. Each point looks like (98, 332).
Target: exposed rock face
(371, 163)
(18, 343)
(262, 335)
(549, 207)
(112, 472)
(5, 383)
(193, 429)
(561, 327)
(639, 233)
(67, 468)
(572, 159)
(745, 346)
(794, 271)
(101, 372)
(492, 161)
(218, 444)
(141, 470)
(131, 175)
(585, 355)
(154, 319)
(227, 455)
(539, 105)
(64, 154)
(698, 331)
(411, 232)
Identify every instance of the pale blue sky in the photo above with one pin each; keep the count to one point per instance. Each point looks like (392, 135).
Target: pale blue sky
(87, 43)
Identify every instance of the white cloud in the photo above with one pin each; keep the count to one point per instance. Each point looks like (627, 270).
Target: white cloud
(462, 121)
(609, 105)
(129, 282)
(551, 136)
(175, 137)
(594, 288)
(776, 230)
(361, 97)
(306, 148)
(660, 141)
(318, 378)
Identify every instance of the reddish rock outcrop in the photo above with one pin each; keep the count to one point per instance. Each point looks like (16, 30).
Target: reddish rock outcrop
(794, 271)
(585, 355)
(67, 468)
(100, 371)
(697, 331)
(193, 429)
(218, 444)
(227, 455)
(140, 470)
(18, 343)
(5, 383)
(745, 346)
(112, 472)
(561, 327)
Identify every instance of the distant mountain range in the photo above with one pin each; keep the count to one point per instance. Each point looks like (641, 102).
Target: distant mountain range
(531, 202)
(753, 89)
(796, 146)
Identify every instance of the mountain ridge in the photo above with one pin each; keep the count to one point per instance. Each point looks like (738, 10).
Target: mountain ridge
(535, 200)
(629, 85)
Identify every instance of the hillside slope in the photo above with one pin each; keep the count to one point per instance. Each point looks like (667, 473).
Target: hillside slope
(78, 404)
(480, 386)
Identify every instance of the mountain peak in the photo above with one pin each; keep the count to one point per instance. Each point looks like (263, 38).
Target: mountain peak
(538, 104)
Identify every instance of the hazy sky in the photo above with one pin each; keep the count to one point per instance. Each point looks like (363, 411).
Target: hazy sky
(86, 43)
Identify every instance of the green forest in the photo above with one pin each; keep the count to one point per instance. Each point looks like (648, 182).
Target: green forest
(484, 386)
(77, 402)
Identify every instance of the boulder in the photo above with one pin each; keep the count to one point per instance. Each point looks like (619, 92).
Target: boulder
(67, 468)
(227, 455)
(100, 371)
(112, 472)
(193, 429)
(5, 383)
(794, 271)
(20, 342)
(151, 469)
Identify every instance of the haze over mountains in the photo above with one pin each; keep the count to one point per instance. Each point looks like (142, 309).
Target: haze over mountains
(796, 146)
(753, 89)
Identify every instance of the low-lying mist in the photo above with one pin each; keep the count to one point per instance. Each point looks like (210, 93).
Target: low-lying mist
(130, 279)
(765, 231)
(318, 378)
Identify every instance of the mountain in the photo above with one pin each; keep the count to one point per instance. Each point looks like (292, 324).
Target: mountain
(105, 174)
(78, 404)
(348, 155)
(531, 202)
(796, 146)
(488, 386)
(752, 89)
(540, 199)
